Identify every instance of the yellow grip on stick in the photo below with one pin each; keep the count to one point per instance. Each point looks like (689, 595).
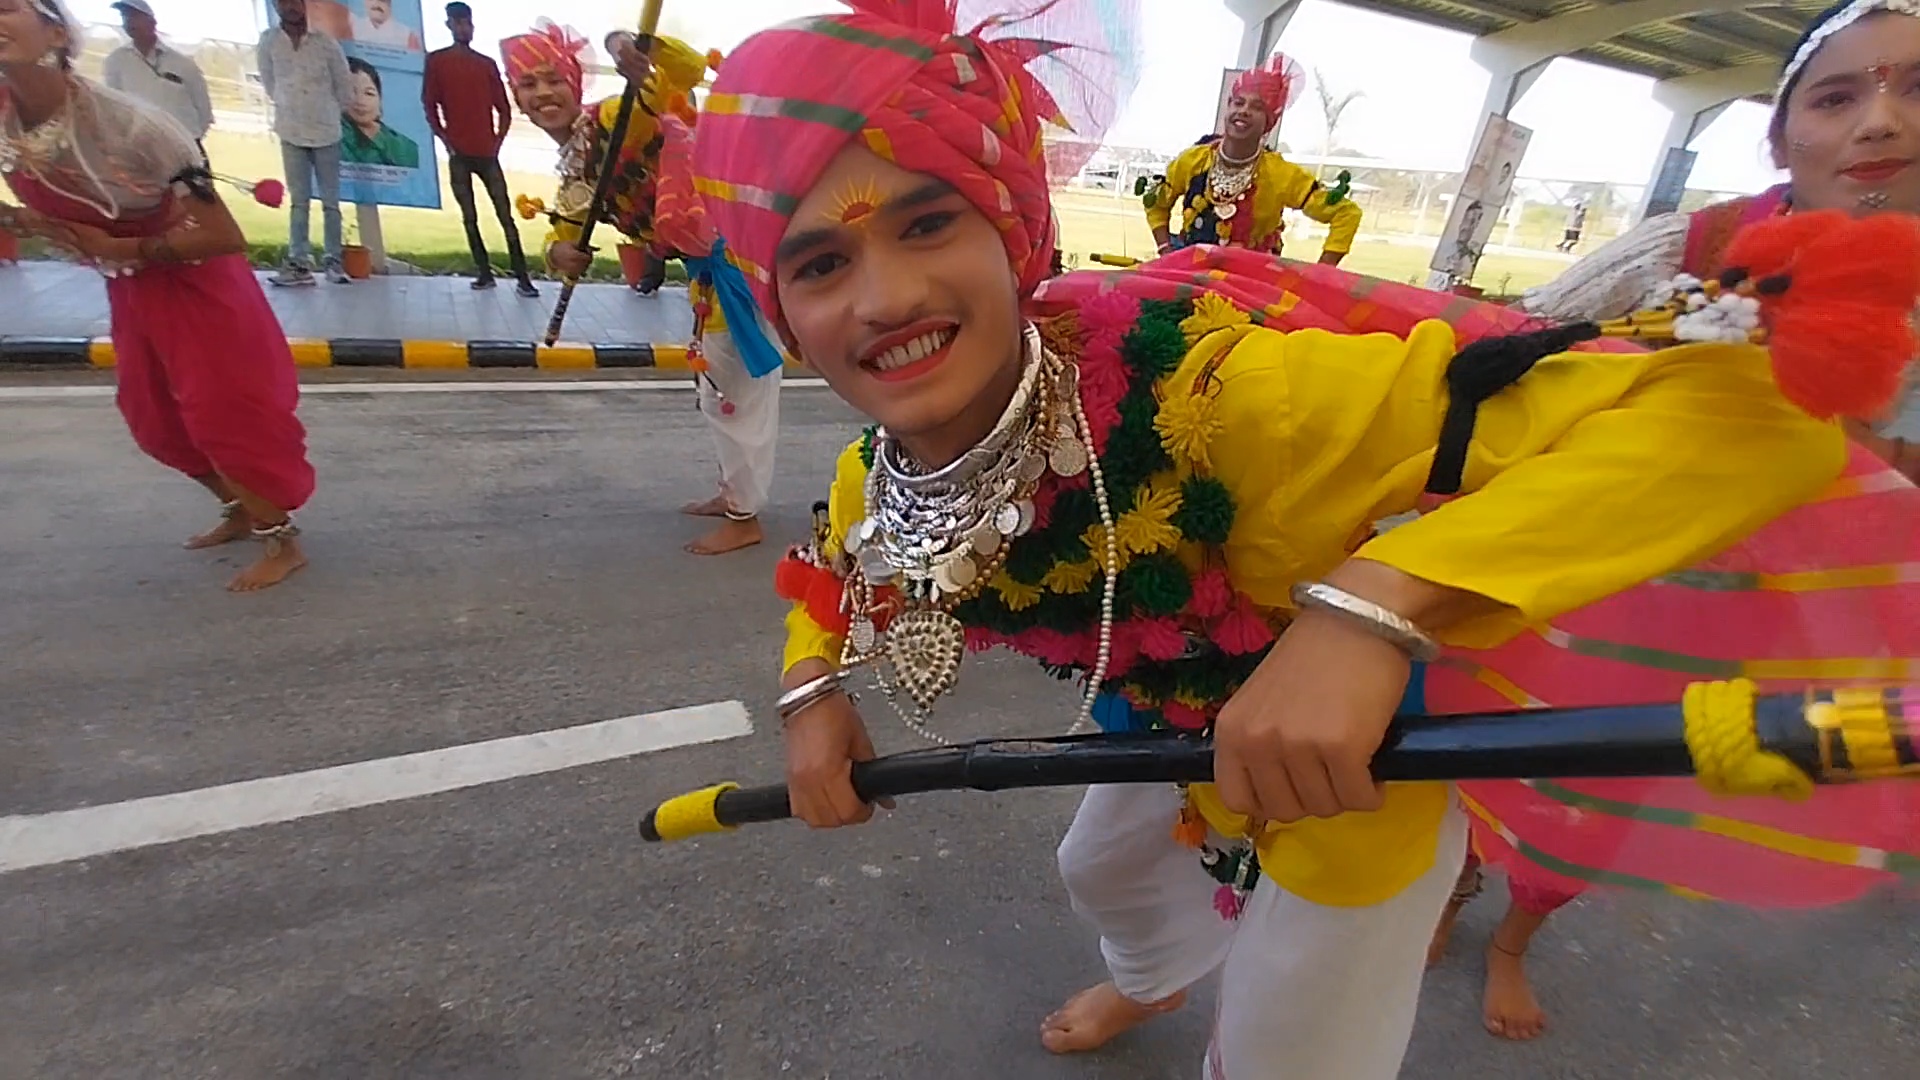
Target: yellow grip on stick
(691, 814)
(1725, 745)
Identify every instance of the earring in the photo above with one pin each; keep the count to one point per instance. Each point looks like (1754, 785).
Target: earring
(51, 59)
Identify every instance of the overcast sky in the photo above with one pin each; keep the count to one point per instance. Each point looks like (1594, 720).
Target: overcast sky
(1421, 107)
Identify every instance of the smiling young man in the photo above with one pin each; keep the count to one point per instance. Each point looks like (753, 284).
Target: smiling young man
(1163, 484)
(546, 70)
(1235, 191)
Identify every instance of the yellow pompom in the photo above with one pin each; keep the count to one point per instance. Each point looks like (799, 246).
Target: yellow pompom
(1068, 578)
(1187, 424)
(1148, 527)
(1096, 540)
(1212, 312)
(1017, 596)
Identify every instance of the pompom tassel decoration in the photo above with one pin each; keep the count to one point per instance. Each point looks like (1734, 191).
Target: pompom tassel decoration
(1837, 296)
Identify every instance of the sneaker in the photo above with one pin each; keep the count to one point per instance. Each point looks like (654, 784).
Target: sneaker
(481, 284)
(292, 277)
(336, 275)
(526, 289)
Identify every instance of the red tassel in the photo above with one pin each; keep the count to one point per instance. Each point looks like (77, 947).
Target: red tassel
(1841, 333)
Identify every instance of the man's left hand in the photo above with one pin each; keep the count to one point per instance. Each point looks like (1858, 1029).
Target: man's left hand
(630, 59)
(1298, 738)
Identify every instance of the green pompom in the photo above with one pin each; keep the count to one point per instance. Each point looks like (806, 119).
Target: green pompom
(1069, 613)
(1068, 547)
(1140, 184)
(1156, 585)
(1029, 559)
(1166, 311)
(866, 446)
(1342, 186)
(1074, 512)
(1154, 347)
(1206, 510)
(1134, 451)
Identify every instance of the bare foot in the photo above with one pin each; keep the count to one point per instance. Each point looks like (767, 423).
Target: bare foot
(282, 559)
(1098, 1015)
(729, 535)
(1511, 1011)
(714, 507)
(1443, 933)
(237, 527)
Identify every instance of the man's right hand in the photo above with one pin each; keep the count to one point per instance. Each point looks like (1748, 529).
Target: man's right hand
(823, 742)
(568, 258)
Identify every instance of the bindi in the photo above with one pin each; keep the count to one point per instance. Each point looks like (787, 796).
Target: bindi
(855, 205)
(1882, 73)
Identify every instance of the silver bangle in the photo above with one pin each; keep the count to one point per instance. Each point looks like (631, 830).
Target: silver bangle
(807, 694)
(1386, 625)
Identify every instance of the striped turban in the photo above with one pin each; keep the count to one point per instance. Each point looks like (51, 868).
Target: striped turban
(549, 45)
(966, 108)
(1273, 83)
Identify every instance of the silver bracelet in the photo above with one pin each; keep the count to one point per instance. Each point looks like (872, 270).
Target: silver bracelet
(806, 695)
(1386, 625)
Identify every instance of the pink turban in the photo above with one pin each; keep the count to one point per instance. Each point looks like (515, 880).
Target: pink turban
(964, 107)
(549, 45)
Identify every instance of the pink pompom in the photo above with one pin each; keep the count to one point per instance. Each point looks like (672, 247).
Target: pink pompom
(271, 193)
(1243, 631)
(1183, 716)
(1228, 903)
(1212, 595)
(1161, 639)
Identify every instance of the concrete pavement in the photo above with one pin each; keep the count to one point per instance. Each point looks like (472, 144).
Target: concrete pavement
(490, 564)
(53, 299)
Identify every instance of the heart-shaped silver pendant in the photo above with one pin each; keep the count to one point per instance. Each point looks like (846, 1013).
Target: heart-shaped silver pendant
(924, 648)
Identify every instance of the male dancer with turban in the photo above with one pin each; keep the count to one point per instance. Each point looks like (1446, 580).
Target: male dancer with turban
(1234, 191)
(546, 69)
(1163, 484)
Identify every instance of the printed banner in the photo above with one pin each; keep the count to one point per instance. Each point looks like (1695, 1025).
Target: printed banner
(386, 148)
(1484, 191)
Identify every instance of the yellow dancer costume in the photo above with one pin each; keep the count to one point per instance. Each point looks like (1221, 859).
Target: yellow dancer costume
(1243, 202)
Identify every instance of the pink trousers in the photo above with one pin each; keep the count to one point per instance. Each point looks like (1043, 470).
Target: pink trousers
(207, 380)
(1532, 898)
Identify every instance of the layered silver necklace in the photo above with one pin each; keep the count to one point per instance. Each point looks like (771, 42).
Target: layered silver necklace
(1228, 181)
(937, 537)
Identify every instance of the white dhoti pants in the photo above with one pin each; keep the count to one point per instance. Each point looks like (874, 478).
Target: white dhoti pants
(1307, 992)
(743, 413)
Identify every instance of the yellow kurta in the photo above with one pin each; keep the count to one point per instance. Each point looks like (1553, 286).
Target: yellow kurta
(677, 71)
(1278, 185)
(1595, 472)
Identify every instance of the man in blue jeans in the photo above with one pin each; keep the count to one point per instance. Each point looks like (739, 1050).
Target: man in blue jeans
(305, 74)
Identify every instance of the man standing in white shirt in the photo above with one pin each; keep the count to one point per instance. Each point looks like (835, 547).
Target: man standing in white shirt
(160, 76)
(305, 74)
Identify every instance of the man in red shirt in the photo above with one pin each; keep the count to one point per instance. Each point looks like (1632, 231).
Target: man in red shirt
(466, 103)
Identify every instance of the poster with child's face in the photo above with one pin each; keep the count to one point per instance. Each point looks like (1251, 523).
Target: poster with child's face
(386, 148)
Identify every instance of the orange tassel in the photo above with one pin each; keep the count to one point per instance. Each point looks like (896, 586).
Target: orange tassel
(1190, 829)
(1840, 331)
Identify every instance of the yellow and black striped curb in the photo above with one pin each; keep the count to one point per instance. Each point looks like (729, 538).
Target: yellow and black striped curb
(79, 352)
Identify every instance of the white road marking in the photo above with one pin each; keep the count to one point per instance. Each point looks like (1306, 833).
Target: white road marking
(644, 386)
(43, 839)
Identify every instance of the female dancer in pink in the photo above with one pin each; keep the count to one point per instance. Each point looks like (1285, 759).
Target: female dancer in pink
(1846, 127)
(207, 381)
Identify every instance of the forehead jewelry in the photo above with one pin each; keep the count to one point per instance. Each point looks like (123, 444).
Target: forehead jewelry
(1882, 72)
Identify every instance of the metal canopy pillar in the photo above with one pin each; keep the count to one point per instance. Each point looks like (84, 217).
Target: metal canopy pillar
(1696, 101)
